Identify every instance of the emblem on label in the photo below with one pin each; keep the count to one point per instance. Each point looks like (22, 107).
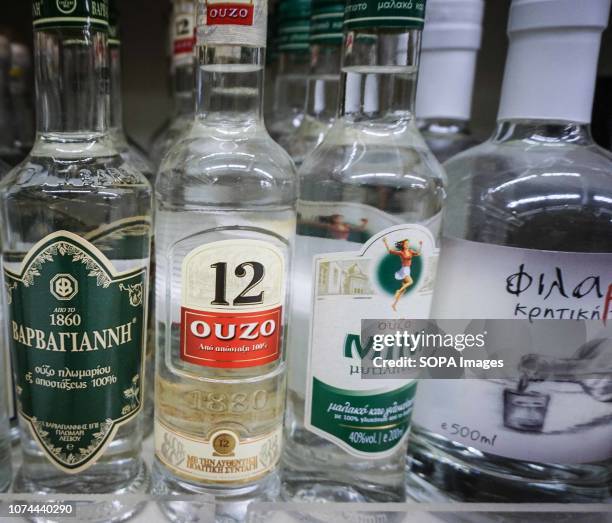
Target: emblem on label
(232, 298)
(77, 335)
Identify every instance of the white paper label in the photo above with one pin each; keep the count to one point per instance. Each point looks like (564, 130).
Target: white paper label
(550, 421)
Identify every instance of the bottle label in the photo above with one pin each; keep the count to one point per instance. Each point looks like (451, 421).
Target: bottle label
(77, 332)
(327, 23)
(549, 421)
(183, 39)
(70, 13)
(232, 304)
(235, 22)
(392, 275)
(222, 457)
(408, 14)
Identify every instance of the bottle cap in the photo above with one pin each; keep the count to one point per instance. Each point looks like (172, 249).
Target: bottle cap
(50, 14)
(451, 39)
(552, 59)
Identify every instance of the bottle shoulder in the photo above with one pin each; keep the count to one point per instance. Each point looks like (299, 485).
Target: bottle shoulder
(532, 195)
(78, 174)
(378, 154)
(208, 158)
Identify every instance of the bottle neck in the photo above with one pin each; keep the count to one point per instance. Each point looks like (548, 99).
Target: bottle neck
(116, 104)
(323, 80)
(550, 75)
(291, 81)
(537, 132)
(72, 88)
(378, 75)
(183, 90)
(230, 84)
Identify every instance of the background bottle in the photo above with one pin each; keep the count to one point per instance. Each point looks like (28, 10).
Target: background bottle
(451, 40)
(80, 216)
(531, 202)
(225, 224)
(21, 96)
(353, 221)
(293, 67)
(6, 472)
(322, 87)
(182, 42)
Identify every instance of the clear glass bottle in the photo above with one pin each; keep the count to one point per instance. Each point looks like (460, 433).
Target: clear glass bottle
(451, 40)
(21, 96)
(8, 151)
(225, 222)
(183, 40)
(534, 201)
(370, 185)
(76, 222)
(135, 157)
(293, 68)
(322, 86)
(6, 471)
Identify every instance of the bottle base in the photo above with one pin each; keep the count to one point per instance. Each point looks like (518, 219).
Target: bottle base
(109, 503)
(231, 504)
(303, 481)
(435, 475)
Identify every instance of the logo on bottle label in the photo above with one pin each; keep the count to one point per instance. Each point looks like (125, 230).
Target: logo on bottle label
(77, 331)
(183, 36)
(70, 13)
(229, 13)
(221, 457)
(231, 304)
(236, 22)
(392, 276)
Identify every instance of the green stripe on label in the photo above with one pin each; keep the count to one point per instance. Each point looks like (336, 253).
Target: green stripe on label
(70, 13)
(407, 14)
(327, 27)
(367, 422)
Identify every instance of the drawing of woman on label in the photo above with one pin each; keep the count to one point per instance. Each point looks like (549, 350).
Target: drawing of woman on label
(406, 254)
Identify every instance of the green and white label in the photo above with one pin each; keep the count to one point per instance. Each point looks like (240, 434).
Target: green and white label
(70, 13)
(77, 332)
(363, 14)
(326, 24)
(392, 275)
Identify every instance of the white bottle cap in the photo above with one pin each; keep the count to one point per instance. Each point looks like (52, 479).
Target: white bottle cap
(451, 39)
(552, 59)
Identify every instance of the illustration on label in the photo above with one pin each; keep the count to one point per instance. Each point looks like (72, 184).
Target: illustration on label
(77, 333)
(222, 457)
(394, 275)
(550, 408)
(232, 304)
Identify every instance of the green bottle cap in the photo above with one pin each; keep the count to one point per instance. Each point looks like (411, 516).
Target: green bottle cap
(326, 22)
(70, 13)
(294, 9)
(368, 14)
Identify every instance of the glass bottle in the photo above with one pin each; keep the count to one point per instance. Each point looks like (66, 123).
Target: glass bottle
(6, 471)
(368, 224)
(322, 87)
(293, 67)
(534, 201)
(183, 40)
(75, 228)
(21, 96)
(225, 223)
(451, 40)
